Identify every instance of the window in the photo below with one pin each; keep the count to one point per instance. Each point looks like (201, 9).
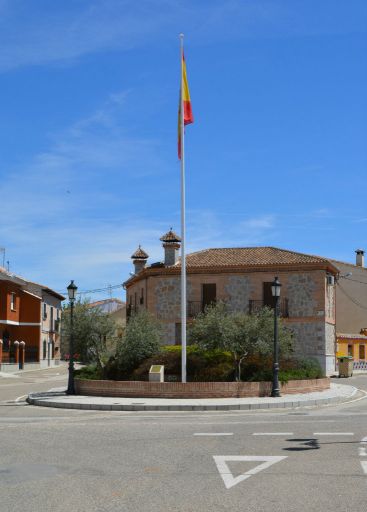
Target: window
(51, 318)
(142, 296)
(350, 350)
(12, 301)
(268, 298)
(44, 349)
(209, 294)
(362, 352)
(44, 311)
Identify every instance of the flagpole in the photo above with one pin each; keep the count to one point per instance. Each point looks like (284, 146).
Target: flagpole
(183, 230)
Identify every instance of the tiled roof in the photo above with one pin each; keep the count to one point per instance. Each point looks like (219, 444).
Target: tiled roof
(246, 258)
(338, 262)
(105, 301)
(170, 237)
(140, 254)
(249, 256)
(351, 336)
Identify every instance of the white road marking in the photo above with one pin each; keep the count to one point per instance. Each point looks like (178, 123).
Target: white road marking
(333, 434)
(213, 434)
(272, 434)
(364, 466)
(362, 451)
(228, 478)
(20, 398)
(364, 440)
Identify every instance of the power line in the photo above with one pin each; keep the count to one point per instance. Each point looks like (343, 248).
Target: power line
(97, 290)
(354, 280)
(355, 301)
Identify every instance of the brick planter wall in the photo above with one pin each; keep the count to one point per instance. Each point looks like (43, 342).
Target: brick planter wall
(140, 389)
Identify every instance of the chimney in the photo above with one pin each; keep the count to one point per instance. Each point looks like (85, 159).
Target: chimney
(171, 244)
(360, 257)
(139, 259)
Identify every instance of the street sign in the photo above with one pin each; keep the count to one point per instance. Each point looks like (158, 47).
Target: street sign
(230, 480)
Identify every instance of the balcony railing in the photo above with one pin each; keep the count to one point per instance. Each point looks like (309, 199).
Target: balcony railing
(130, 310)
(256, 305)
(194, 308)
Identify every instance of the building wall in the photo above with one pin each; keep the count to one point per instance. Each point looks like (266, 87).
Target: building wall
(6, 289)
(22, 322)
(311, 304)
(351, 299)
(349, 345)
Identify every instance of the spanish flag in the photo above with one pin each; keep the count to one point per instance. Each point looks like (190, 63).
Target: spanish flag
(185, 104)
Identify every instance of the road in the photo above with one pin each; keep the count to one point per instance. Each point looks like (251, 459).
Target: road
(86, 461)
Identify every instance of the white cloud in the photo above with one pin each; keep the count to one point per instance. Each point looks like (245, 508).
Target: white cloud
(72, 212)
(64, 32)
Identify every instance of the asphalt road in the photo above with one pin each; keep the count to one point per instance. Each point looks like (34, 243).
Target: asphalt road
(86, 461)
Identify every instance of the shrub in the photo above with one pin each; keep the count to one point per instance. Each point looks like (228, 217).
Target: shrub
(212, 365)
(238, 333)
(290, 369)
(141, 340)
(90, 372)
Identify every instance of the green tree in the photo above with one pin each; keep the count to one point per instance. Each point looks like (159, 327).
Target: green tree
(92, 330)
(240, 334)
(141, 340)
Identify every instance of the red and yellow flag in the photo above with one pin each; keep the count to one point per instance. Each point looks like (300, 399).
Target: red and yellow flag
(185, 103)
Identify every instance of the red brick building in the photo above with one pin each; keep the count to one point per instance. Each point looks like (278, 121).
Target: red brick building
(21, 328)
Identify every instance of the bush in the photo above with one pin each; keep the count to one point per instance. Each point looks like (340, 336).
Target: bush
(141, 340)
(212, 365)
(290, 369)
(90, 372)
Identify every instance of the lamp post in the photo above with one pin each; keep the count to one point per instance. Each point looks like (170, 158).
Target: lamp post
(72, 288)
(275, 290)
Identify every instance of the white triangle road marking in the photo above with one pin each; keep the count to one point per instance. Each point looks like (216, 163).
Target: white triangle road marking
(364, 466)
(229, 480)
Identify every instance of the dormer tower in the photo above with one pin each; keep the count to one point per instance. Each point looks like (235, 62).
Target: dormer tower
(171, 244)
(139, 259)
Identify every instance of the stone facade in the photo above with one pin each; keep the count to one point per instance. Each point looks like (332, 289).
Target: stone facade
(168, 297)
(311, 302)
(301, 295)
(330, 302)
(239, 290)
(315, 340)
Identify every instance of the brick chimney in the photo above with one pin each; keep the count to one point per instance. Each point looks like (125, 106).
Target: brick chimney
(171, 244)
(360, 257)
(139, 259)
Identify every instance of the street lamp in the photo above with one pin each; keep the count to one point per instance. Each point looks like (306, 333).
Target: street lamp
(275, 290)
(72, 288)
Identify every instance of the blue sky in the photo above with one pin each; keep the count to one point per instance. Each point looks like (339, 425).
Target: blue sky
(277, 154)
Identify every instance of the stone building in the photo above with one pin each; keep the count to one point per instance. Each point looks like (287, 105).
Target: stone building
(242, 278)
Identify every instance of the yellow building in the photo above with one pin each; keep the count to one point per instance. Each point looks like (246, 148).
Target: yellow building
(353, 345)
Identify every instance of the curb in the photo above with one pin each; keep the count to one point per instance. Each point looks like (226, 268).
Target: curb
(39, 399)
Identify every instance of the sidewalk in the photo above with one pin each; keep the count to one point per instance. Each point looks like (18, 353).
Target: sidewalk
(337, 393)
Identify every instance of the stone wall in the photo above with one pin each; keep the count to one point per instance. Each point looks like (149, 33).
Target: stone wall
(141, 389)
(309, 338)
(300, 291)
(315, 340)
(168, 333)
(239, 290)
(330, 302)
(168, 297)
